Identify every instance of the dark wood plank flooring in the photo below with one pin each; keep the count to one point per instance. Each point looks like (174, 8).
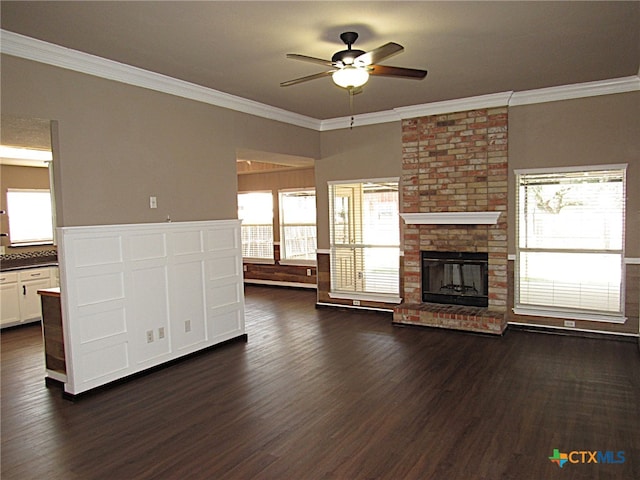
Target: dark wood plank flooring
(333, 394)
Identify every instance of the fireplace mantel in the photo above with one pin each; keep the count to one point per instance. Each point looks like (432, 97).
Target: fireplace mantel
(451, 218)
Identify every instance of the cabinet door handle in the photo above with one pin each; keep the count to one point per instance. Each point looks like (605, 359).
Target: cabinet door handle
(24, 289)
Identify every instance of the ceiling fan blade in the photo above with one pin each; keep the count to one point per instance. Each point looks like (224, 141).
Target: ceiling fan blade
(379, 54)
(306, 58)
(387, 71)
(307, 78)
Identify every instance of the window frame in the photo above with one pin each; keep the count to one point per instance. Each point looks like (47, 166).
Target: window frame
(26, 242)
(282, 224)
(569, 313)
(259, 260)
(356, 241)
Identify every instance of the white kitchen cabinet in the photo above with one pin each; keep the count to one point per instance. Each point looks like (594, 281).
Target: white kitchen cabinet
(30, 281)
(19, 294)
(9, 298)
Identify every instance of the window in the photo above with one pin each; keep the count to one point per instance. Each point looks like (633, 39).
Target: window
(365, 239)
(570, 241)
(298, 226)
(30, 220)
(255, 209)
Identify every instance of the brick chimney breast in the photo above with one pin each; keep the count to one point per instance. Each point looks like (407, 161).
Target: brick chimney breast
(455, 162)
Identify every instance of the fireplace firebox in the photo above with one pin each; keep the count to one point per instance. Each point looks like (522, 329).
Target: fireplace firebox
(457, 278)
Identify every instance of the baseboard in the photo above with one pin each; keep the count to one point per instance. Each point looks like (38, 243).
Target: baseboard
(354, 307)
(73, 397)
(576, 332)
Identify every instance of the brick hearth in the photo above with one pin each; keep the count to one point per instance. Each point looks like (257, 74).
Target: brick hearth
(455, 163)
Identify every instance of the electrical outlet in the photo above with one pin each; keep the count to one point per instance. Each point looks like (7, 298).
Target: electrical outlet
(161, 332)
(356, 302)
(308, 272)
(569, 323)
(187, 326)
(149, 336)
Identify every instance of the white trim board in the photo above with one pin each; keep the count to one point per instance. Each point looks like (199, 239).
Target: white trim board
(44, 52)
(451, 218)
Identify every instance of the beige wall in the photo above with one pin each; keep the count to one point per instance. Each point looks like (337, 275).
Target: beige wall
(588, 131)
(119, 144)
(373, 151)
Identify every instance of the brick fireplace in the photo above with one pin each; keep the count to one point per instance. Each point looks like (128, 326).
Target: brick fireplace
(454, 199)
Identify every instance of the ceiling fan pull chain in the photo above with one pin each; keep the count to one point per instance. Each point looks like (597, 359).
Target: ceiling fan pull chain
(351, 108)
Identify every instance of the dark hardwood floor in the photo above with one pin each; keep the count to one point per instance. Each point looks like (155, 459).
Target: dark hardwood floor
(333, 394)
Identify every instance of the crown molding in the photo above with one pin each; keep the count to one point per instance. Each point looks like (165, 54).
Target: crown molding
(576, 90)
(458, 105)
(375, 118)
(37, 50)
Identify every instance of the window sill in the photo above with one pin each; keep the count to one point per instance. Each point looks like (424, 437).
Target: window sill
(260, 261)
(299, 263)
(367, 297)
(569, 315)
(31, 244)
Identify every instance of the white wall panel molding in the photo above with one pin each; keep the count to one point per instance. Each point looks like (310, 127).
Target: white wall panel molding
(137, 296)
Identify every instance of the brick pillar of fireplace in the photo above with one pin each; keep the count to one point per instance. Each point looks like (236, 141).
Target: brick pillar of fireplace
(455, 163)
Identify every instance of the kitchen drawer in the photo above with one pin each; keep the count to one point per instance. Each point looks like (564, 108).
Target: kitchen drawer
(8, 277)
(34, 274)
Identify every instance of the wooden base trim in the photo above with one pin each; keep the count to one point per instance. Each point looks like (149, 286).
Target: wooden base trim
(280, 284)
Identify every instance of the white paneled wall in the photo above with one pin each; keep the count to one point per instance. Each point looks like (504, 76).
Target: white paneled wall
(136, 296)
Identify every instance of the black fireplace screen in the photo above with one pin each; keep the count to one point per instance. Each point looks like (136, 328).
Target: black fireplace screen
(458, 278)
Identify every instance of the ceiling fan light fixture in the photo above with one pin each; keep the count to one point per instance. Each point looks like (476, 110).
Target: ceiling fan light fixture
(350, 77)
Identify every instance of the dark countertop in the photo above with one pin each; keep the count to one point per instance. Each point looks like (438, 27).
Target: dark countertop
(24, 263)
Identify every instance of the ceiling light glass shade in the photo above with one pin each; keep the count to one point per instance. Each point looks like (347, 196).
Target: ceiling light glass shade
(350, 77)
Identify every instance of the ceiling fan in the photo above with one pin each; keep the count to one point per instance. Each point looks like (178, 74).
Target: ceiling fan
(351, 68)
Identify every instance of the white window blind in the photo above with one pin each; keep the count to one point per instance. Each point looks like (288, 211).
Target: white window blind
(570, 242)
(30, 220)
(364, 237)
(255, 209)
(298, 225)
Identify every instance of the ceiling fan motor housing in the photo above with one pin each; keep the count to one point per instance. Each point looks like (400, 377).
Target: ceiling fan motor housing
(346, 57)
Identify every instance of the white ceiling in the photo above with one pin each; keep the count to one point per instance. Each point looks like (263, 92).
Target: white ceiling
(239, 47)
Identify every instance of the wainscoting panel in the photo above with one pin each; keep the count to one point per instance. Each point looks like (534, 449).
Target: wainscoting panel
(188, 306)
(148, 306)
(147, 246)
(136, 296)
